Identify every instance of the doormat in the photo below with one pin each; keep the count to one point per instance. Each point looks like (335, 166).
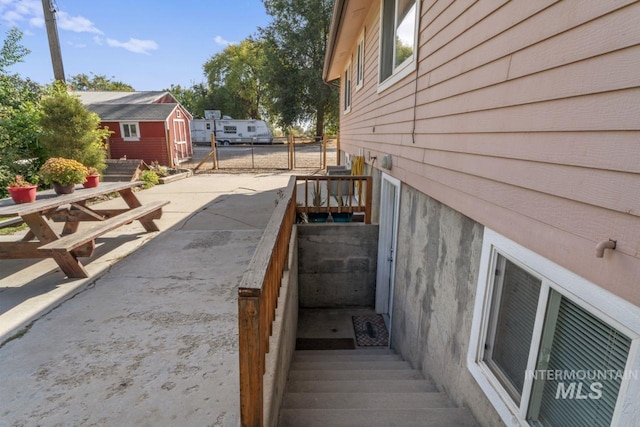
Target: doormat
(325, 344)
(370, 330)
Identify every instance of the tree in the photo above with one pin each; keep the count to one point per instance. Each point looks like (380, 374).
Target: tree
(235, 79)
(195, 99)
(20, 152)
(71, 131)
(100, 82)
(12, 51)
(295, 46)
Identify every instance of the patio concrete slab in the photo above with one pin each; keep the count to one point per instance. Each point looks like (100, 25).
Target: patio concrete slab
(151, 338)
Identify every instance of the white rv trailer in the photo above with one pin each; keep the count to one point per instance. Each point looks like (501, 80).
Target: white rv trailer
(231, 131)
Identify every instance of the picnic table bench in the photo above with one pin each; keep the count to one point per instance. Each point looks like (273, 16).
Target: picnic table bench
(41, 241)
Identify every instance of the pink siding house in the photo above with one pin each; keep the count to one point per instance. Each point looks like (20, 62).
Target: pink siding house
(504, 140)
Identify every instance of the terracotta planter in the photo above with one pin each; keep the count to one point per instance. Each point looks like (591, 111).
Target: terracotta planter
(23, 194)
(92, 181)
(64, 189)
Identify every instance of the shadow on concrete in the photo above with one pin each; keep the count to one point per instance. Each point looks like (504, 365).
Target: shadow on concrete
(50, 276)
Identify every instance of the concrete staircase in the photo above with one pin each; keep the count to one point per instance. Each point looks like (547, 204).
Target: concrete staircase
(363, 388)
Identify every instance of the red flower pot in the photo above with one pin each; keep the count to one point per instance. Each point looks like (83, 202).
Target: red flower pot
(92, 181)
(23, 194)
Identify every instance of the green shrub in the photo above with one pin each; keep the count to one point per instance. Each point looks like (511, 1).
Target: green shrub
(150, 178)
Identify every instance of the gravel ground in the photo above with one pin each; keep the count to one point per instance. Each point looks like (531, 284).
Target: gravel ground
(307, 157)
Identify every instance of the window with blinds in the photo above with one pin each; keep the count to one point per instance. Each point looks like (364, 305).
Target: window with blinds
(515, 301)
(591, 356)
(579, 364)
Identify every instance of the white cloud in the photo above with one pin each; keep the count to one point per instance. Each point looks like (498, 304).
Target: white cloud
(37, 22)
(78, 24)
(135, 45)
(78, 45)
(222, 42)
(15, 11)
(98, 40)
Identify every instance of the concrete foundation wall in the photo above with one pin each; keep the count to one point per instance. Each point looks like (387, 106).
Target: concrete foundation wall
(436, 276)
(337, 265)
(283, 340)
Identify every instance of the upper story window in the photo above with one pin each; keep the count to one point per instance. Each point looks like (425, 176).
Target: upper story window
(548, 347)
(347, 89)
(129, 131)
(398, 38)
(360, 62)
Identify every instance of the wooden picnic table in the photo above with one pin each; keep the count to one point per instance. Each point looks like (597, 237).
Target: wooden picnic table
(42, 241)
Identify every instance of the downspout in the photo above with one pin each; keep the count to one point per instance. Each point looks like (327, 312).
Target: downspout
(415, 90)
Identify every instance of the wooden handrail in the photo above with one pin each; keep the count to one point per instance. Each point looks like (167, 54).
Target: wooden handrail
(358, 197)
(260, 286)
(257, 297)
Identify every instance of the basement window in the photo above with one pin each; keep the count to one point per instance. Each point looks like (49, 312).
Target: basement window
(548, 347)
(129, 131)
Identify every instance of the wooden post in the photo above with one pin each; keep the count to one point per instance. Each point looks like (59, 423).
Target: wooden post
(250, 342)
(214, 157)
(324, 151)
(54, 41)
(291, 152)
(338, 149)
(368, 202)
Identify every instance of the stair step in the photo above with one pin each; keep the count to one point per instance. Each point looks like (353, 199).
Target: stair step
(367, 401)
(360, 374)
(433, 417)
(333, 358)
(334, 366)
(380, 350)
(116, 177)
(360, 386)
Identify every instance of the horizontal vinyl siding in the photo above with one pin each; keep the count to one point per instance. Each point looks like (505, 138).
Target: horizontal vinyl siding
(527, 121)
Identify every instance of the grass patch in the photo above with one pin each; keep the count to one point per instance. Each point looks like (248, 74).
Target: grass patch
(18, 335)
(11, 230)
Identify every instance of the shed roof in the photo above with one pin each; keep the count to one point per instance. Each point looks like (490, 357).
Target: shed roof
(97, 97)
(133, 112)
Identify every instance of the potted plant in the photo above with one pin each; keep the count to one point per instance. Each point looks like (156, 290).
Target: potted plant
(63, 174)
(92, 179)
(341, 216)
(22, 191)
(317, 201)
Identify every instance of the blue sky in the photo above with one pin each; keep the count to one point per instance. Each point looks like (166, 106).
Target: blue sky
(149, 44)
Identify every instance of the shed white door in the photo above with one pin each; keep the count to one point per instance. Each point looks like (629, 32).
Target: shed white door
(387, 240)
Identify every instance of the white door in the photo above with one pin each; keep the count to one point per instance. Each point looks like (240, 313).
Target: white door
(387, 240)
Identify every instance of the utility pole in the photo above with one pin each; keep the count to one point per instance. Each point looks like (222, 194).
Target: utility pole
(54, 42)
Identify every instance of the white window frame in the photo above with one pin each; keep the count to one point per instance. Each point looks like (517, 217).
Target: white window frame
(129, 124)
(409, 65)
(359, 55)
(604, 305)
(347, 89)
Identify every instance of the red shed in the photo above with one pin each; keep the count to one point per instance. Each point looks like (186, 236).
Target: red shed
(151, 126)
